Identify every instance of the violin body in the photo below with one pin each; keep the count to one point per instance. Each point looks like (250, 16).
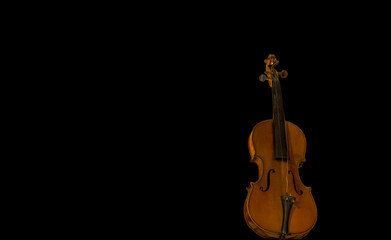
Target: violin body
(263, 210)
(278, 205)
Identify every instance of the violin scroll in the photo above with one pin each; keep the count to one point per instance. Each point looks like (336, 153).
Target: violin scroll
(270, 72)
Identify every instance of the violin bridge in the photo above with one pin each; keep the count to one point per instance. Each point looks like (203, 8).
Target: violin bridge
(287, 203)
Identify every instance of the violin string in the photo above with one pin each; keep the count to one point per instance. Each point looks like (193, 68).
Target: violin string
(275, 111)
(287, 151)
(278, 86)
(286, 162)
(280, 130)
(287, 155)
(275, 115)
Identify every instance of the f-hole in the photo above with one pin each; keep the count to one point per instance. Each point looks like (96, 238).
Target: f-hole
(294, 184)
(268, 180)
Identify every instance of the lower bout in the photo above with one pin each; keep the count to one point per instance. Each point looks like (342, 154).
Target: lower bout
(264, 233)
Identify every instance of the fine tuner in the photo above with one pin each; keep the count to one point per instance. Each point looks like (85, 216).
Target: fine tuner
(270, 72)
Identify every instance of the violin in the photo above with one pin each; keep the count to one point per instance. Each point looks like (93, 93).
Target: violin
(278, 205)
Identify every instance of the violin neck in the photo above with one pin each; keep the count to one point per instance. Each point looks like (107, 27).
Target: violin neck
(280, 140)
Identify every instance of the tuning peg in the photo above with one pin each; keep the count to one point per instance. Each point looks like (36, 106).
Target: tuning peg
(262, 77)
(283, 74)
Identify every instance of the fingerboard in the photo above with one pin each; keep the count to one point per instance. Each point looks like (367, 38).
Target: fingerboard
(280, 141)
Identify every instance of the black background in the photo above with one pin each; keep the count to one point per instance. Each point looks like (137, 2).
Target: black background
(144, 113)
(208, 98)
(173, 101)
(207, 102)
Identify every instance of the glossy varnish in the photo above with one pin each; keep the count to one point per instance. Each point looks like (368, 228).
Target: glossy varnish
(278, 148)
